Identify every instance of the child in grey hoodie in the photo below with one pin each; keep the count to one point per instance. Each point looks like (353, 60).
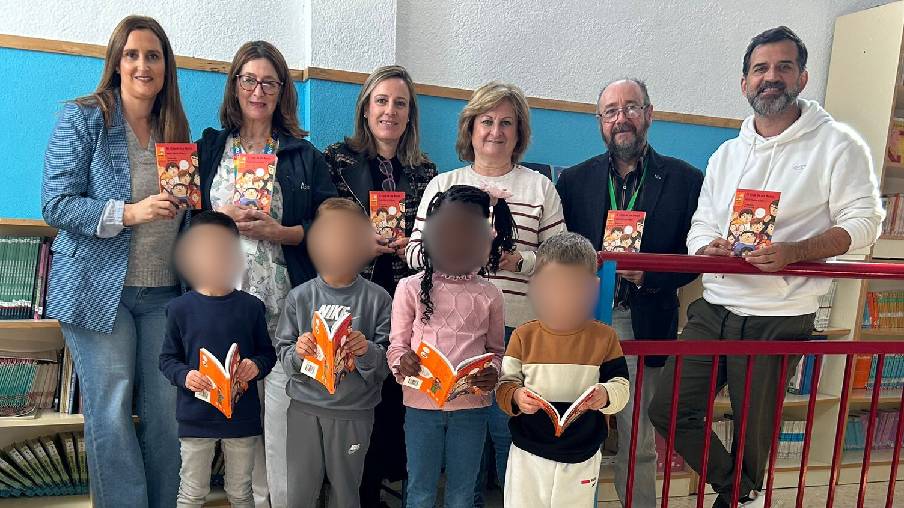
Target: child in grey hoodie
(330, 433)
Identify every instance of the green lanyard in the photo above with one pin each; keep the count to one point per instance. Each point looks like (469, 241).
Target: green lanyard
(613, 204)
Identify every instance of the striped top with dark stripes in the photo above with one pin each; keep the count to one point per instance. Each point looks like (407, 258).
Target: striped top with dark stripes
(537, 211)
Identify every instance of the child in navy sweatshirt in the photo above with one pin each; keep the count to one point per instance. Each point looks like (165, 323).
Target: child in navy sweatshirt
(214, 316)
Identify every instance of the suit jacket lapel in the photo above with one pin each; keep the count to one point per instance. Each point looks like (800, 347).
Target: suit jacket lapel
(599, 186)
(119, 153)
(652, 184)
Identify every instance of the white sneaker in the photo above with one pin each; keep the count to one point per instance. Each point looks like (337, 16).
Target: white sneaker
(757, 500)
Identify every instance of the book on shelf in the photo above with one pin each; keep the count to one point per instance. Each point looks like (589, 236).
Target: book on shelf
(893, 225)
(51, 465)
(623, 231)
(801, 381)
(753, 220)
(177, 172)
(442, 381)
(892, 372)
(24, 265)
(884, 430)
(894, 151)
(884, 309)
(824, 312)
(330, 326)
(28, 382)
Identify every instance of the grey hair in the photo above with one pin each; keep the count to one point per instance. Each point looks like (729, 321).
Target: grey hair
(568, 249)
(639, 82)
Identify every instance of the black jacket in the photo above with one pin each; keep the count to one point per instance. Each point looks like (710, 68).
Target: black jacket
(303, 177)
(669, 196)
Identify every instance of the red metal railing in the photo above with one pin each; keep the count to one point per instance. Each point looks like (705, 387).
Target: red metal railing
(753, 349)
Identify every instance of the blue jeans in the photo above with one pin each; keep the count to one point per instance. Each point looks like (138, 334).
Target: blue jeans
(129, 465)
(499, 441)
(436, 439)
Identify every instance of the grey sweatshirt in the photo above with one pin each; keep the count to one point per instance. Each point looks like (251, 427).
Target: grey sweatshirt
(359, 392)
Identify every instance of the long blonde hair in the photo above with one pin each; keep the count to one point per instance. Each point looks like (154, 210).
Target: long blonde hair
(167, 116)
(484, 99)
(363, 141)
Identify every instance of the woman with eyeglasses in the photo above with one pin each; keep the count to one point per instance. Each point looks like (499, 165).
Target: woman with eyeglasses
(259, 115)
(384, 154)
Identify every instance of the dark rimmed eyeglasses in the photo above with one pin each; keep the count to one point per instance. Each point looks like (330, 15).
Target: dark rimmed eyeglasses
(249, 83)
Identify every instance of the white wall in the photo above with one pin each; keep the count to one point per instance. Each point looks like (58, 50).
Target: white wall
(688, 51)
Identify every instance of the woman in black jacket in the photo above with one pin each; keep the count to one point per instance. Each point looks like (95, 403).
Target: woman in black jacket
(259, 115)
(384, 155)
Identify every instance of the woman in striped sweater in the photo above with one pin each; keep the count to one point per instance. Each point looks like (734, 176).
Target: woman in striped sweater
(493, 134)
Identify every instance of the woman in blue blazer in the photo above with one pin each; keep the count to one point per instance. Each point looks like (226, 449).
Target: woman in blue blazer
(112, 274)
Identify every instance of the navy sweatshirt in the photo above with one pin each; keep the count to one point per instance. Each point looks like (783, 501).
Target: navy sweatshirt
(195, 321)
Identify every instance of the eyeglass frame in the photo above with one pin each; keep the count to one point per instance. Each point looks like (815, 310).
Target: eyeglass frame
(623, 110)
(388, 171)
(260, 83)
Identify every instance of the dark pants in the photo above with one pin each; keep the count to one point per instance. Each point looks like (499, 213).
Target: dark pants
(386, 455)
(715, 322)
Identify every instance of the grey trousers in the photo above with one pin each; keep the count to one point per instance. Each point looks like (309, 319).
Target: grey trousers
(318, 445)
(197, 456)
(714, 322)
(645, 451)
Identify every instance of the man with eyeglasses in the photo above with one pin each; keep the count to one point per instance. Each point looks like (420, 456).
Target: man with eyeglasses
(632, 176)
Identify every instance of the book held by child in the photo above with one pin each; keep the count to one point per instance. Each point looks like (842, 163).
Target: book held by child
(254, 173)
(227, 389)
(752, 220)
(331, 327)
(177, 171)
(561, 421)
(440, 380)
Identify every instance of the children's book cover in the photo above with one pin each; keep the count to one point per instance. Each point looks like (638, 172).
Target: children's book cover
(441, 380)
(254, 173)
(331, 325)
(227, 389)
(560, 422)
(387, 213)
(624, 230)
(177, 172)
(752, 220)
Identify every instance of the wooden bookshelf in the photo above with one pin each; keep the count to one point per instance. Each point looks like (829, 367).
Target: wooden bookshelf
(80, 501)
(889, 247)
(25, 227)
(882, 334)
(860, 397)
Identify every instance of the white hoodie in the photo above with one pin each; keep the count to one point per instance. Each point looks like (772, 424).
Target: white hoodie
(825, 174)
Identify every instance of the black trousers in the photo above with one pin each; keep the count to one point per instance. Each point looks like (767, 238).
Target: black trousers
(386, 457)
(714, 322)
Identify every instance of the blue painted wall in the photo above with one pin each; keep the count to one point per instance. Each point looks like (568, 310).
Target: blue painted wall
(40, 82)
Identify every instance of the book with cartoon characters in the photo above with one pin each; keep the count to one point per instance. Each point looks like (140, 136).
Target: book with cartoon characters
(752, 220)
(331, 326)
(177, 172)
(387, 213)
(254, 173)
(560, 422)
(227, 389)
(624, 230)
(440, 380)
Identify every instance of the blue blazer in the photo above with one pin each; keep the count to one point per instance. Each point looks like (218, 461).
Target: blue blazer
(86, 165)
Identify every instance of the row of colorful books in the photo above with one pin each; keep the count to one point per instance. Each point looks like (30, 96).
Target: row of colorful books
(24, 265)
(53, 465)
(884, 309)
(865, 367)
(790, 438)
(894, 215)
(821, 321)
(886, 427)
(30, 382)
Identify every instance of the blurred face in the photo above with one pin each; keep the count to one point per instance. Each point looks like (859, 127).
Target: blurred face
(495, 132)
(563, 296)
(773, 80)
(339, 242)
(458, 238)
(142, 68)
(388, 110)
(625, 137)
(258, 104)
(209, 256)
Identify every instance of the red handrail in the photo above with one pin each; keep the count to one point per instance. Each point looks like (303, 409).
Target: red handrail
(760, 347)
(723, 264)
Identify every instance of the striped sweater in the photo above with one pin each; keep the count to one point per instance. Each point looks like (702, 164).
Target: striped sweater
(537, 211)
(559, 367)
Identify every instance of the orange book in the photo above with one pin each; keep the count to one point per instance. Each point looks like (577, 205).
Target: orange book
(862, 366)
(227, 389)
(387, 213)
(177, 172)
(440, 380)
(624, 230)
(254, 173)
(330, 327)
(752, 220)
(560, 422)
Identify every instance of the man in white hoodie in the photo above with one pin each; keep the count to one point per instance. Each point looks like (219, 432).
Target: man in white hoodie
(829, 205)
